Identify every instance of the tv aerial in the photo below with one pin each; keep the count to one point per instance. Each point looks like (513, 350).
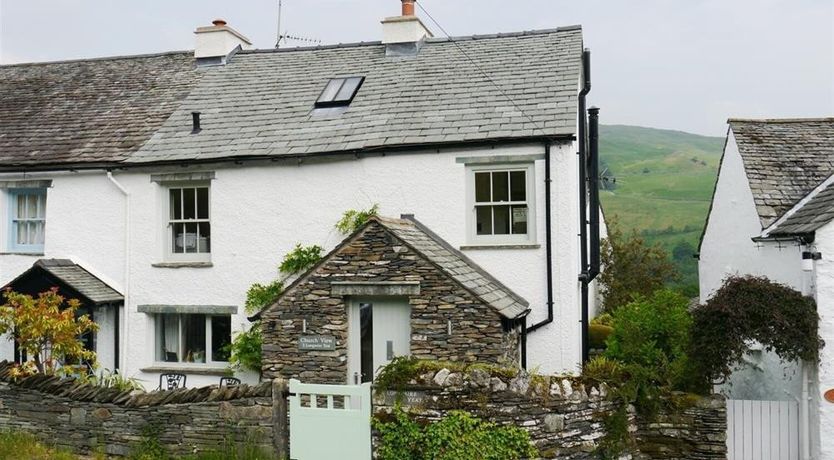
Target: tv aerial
(284, 37)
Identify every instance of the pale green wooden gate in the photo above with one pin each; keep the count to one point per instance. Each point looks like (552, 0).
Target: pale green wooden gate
(330, 421)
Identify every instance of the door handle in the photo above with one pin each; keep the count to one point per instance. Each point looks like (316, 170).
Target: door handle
(356, 378)
(390, 349)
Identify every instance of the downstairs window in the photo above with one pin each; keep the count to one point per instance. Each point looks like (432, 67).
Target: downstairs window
(192, 338)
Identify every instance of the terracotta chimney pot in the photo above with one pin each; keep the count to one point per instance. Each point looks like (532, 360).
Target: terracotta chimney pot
(219, 22)
(408, 7)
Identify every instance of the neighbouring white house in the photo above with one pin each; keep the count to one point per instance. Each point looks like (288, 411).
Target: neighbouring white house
(158, 188)
(771, 216)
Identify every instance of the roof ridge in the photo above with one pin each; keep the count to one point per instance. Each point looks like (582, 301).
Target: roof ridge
(100, 58)
(779, 120)
(522, 33)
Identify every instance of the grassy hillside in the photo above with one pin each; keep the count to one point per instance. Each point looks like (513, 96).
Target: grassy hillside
(663, 187)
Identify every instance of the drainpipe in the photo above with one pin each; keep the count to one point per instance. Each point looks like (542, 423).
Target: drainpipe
(585, 275)
(117, 357)
(548, 252)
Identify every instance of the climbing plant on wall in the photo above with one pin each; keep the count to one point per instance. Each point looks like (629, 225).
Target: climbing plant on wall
(746, 309)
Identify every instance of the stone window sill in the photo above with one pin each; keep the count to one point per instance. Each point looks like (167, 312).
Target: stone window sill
(183, 265)
(499, 246)
(28, 254)
(194, 370)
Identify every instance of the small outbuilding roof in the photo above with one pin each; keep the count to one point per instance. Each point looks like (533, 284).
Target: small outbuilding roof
(457, 266)
(64, 274)
(785, 159)
(811, 213)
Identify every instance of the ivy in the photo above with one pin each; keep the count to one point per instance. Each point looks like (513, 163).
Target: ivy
(457, 436)
(752, 308)
(353, 219)
(300, 259)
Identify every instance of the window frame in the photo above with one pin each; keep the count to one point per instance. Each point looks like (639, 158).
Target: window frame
(528, 238)
(13, 218)
(338, 102)
(208, 362)
(168, 222)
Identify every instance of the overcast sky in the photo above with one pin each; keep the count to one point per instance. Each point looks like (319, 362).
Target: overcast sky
(683, 64)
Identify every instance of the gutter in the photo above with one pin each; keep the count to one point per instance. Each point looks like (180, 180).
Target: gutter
(380, 150)
(117, 358)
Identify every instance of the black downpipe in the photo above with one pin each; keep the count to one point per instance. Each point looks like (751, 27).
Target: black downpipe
(524, 342)
(585, 275)
(593, 189)
(548, 245)
(116, 337)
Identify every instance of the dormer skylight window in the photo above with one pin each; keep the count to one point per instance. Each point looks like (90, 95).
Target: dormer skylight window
(339, 92)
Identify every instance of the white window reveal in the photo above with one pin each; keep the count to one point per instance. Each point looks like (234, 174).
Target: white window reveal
(192, 338)
(189, 223)
(27, 223)
(501, 205)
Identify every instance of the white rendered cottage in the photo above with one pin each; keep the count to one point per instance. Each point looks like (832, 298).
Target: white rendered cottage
(177, 180)
(771, 215)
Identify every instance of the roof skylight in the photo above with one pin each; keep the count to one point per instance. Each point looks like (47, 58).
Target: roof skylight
(339, 92)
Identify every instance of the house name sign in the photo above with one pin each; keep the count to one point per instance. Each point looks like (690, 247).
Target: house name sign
(316, 343)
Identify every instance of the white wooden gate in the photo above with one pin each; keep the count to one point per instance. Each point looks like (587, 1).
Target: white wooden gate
(762, 430)
(330, 421)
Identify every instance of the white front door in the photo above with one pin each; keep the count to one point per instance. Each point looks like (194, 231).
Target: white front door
(379, 329)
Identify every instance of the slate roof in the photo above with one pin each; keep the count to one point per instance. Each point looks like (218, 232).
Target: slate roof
(784, 160)
(811, 213)
(75, 276)
(457, 266)
(88, 111)
(261, 103)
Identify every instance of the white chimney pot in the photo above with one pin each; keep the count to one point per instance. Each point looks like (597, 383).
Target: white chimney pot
(218, 40)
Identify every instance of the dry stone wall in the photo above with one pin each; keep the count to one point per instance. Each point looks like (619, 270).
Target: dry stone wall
(85, 419)
(563, 416)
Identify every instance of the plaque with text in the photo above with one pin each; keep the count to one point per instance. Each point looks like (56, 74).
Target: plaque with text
(316, 343)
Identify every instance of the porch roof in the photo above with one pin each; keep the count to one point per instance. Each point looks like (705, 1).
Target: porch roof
(71, 279)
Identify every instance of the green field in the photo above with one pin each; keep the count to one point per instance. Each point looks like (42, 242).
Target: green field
(663, 186)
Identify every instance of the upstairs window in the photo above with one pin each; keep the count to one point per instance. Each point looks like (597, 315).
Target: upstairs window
(501, 203)
(189, 223)
(339, 92)
(27, 223)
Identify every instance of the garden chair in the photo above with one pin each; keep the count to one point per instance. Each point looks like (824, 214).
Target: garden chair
(172, 381)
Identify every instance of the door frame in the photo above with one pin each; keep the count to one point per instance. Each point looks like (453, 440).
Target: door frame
(354, 345)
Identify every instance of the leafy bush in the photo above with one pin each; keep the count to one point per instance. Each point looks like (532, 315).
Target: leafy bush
(108, 379)
(353, 219)
(632, 268)
(245, 350)
(651, 339)
(47, 328)
(598, 334)
(260, 296)
(603, 370)
(458, 436)
(300, 259)
(752, 308)
(604, 319)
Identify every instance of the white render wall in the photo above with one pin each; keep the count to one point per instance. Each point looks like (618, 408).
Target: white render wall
(824, 268)
(258, 214)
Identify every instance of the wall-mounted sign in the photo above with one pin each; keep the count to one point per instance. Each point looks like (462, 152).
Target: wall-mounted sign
(829, 395)
(316, 343)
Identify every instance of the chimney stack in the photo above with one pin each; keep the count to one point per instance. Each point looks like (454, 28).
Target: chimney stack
(216, 43)
(404, 35)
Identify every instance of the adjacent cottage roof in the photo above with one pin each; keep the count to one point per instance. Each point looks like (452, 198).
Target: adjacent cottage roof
(88, 112)
(62, 273)
(448, 260)
(262, 102)
(811, 213)
(457, 266)
(784, 160)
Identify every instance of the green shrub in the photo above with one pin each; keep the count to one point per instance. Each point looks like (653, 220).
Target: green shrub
(604, 319)
(245, 350)
(598, 334)
(458, 436)
(300, 259)
(260, 296)
(353, 219)
(603, 370)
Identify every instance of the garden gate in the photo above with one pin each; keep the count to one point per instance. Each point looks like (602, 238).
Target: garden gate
(762, 430)
(330, 421)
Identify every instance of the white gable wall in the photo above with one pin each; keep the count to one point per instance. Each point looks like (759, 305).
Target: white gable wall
(824, 276)
(258, 214)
